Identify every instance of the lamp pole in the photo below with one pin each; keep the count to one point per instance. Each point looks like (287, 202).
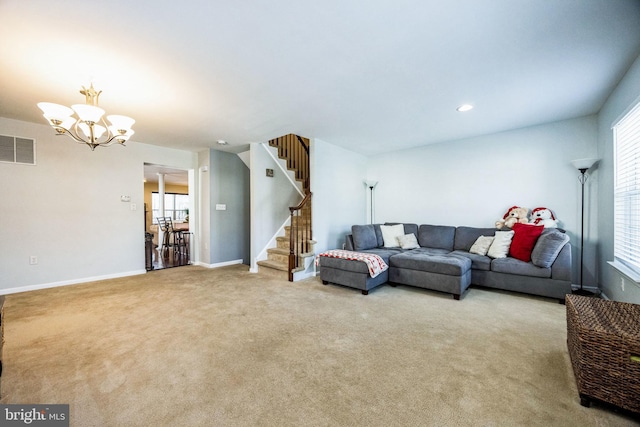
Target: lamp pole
(582, 178)
(371, 185)
(583, 165)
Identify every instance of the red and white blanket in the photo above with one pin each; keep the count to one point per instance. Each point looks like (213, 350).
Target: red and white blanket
(374, 262)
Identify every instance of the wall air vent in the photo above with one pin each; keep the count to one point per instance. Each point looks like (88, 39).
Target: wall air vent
(14, 149)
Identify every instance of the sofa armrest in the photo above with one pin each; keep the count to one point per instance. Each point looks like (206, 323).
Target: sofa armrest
(561, 267)
(348, 242)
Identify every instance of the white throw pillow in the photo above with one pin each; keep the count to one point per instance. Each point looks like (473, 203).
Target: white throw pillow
(408, 241)
(390, 234)
(501, 244)
(481, 245)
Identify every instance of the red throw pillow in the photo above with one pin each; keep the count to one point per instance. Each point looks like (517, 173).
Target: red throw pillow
(524, 239)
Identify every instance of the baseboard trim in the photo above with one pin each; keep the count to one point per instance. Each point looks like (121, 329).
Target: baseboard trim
(69, 282)
(219, 264)
(594, 289)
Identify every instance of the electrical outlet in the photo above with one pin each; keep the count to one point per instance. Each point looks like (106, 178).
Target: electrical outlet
(622, 283)
(33, 260)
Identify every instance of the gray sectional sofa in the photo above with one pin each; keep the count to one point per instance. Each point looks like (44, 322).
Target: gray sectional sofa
(442, 262)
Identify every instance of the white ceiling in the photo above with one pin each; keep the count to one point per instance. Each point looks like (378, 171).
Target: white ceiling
(170, 175)
(371, 76)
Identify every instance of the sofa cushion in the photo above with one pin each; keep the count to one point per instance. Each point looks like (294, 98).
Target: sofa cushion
(521, 268)
(478, 262)
(408, 241)
(384, 253)
(481, 245)
(376, 227)
(448, 264)
(408, 228)
(524, 239)
(466, 236)
(436, 236)
(548, 247)
(357, 266)
(364, 237)
(500, 245)
(343, 264)
(430, 251)
(390, 234)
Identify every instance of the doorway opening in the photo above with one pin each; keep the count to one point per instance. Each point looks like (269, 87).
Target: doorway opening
(168, 230)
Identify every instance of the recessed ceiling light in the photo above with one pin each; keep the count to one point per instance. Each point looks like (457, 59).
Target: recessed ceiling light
(222, 142)
(464, 107)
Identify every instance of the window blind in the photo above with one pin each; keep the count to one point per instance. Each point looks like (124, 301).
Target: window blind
(627, 190)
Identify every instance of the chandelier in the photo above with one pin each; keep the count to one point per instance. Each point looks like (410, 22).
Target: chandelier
(89, 127)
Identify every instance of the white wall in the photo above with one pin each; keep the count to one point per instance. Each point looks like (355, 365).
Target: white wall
(204, 208)
(66, 210)
(474, 181)
(339, 194)
(626, 95)
(270, 201)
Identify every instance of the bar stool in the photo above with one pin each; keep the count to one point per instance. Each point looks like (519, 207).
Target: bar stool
(170, 236)
(184, 247)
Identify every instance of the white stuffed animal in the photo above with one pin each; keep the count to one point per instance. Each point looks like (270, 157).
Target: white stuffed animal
(544, 217)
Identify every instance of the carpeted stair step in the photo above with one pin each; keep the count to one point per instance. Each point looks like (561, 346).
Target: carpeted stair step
(283, 243)
(281, 256)
(276, 268)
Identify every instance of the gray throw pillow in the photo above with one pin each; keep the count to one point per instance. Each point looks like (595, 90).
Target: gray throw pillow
(364, 237)
(547, 248)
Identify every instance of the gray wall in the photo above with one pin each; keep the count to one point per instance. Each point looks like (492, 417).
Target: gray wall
(626, 95)
(229, 181)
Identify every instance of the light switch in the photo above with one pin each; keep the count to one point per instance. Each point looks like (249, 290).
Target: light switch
(220, 207)
(125, 198)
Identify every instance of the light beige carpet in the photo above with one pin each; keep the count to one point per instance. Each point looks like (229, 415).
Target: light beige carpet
(194, 346)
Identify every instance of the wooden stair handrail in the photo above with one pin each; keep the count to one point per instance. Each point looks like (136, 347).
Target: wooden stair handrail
(302, 203)
(299, 237)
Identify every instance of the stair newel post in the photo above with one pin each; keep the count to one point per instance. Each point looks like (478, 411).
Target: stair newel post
(292, 256)
(304, 238)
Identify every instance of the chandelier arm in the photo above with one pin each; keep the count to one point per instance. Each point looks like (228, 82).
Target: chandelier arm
(109, 135)
(71, 134)
(77, 139)
(111, 141)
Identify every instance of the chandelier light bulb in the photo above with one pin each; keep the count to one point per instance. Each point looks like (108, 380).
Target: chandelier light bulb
(89, 127)
(121, 122)
(88, 113)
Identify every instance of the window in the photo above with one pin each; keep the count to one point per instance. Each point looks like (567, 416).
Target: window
(176, 206)
(626, 136)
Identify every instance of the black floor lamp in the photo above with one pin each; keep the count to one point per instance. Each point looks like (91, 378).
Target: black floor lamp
(371, 185)
(583, 165)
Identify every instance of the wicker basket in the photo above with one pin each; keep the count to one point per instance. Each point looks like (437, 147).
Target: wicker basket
(604, 344)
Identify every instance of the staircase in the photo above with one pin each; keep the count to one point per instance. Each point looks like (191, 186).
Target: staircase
(294, 251)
